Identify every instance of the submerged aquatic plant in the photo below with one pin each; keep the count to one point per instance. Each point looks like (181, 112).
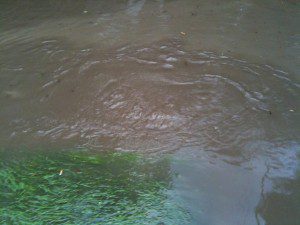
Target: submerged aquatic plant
(80, 187)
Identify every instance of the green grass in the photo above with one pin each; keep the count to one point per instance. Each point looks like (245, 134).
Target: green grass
(102, 188)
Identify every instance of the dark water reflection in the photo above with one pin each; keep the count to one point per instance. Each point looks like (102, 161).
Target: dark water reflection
(281, 206)
(260, 191)
(214, 84)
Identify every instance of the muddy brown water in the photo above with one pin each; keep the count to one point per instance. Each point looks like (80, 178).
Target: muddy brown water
(213, 83)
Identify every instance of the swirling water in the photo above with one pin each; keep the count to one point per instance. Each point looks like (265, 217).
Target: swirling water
(202, 83)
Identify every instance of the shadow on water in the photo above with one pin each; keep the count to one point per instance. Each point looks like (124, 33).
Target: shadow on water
(81, 187)
(281, 204)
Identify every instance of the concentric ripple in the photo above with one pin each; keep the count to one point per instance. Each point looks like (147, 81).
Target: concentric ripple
(157, 98)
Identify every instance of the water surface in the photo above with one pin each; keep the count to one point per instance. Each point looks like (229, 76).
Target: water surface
(211, 88)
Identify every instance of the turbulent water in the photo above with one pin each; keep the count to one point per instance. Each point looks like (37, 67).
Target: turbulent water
(213, 83)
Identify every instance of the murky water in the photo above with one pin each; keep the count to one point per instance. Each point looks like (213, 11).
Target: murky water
(211, 85)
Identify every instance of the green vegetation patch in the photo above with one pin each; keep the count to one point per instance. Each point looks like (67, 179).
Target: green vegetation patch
(80, 187)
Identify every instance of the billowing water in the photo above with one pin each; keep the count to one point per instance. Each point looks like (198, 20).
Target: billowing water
(212, 84)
